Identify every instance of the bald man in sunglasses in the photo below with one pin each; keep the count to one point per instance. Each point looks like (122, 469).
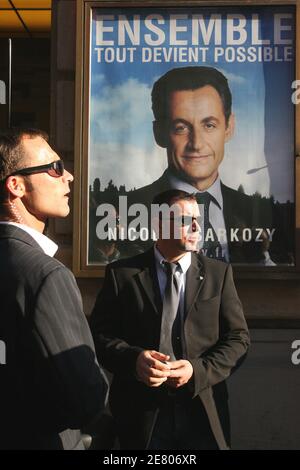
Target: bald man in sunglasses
(51, 383)
(169, 325)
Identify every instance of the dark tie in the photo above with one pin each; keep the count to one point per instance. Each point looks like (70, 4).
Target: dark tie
(211, 248)
(170, 309)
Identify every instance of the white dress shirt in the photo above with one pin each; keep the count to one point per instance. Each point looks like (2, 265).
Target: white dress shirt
(47, 245)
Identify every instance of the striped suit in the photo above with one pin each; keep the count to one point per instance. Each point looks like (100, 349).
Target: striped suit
(51, 384)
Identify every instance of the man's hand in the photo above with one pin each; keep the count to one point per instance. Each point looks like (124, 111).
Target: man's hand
(150, 369)
(181, 372)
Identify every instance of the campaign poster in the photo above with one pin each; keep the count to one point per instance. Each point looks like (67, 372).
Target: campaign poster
(253, 47)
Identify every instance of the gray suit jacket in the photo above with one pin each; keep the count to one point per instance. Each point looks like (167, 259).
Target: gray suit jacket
(126, 320)
(51, 384)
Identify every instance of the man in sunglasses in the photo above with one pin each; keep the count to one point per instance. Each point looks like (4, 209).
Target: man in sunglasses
(169, 325)
(194, 121)
(51, 384)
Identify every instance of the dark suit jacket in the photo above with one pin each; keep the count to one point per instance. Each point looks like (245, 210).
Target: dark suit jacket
(126, 320)
(51, 380)
(240, 211)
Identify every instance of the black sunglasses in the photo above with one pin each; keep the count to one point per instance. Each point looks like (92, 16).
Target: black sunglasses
(186, 220)
(54, 169)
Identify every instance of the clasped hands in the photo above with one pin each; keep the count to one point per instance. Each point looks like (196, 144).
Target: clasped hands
(154, 368)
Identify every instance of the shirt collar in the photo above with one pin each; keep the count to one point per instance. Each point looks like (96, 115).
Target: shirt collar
(214, 189)
(47, 245)
(184, 262)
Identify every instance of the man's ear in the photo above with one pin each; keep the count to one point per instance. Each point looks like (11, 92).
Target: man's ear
(15, 186)
(160, 133)
(230, 127)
